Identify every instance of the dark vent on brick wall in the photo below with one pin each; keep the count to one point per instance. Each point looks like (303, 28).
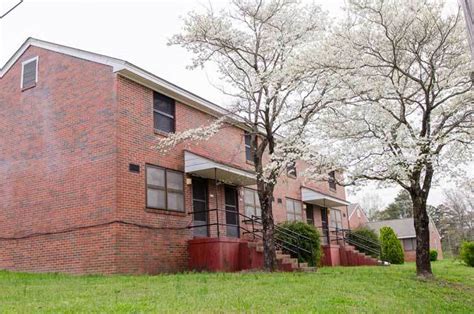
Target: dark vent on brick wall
(134, 168)
(29, 74)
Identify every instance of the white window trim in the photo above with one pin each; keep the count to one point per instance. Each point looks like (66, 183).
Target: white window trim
(23, 68)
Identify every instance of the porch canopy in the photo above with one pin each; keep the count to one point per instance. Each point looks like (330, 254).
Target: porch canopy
(210, 169)
(324, 200)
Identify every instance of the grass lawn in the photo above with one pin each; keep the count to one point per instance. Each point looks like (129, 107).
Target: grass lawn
(340, 289)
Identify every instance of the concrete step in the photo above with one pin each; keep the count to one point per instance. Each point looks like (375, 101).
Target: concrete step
(307, 269)
(282, 256)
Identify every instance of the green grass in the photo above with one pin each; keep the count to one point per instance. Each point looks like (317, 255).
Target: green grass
(393, 289)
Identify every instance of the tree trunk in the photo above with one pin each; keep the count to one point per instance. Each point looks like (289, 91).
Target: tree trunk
(421, 221)
(266, 198)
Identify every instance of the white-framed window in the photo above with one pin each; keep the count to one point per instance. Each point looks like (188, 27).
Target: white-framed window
(335, 218)
(252, 203)
(293, 210)
(29, 73)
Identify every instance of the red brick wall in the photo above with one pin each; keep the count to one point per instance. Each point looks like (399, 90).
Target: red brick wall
(57, 165)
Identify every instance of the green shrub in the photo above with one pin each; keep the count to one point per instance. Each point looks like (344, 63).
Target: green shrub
(311, 241)
(391, 247)
(467, 253)
(357, 238)
(433, 255)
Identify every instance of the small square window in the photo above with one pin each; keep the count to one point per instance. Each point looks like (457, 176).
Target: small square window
(165, 189)
(29, 73)
(293, 210)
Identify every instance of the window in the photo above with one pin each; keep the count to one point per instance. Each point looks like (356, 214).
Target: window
(29, 73)
(291, 169)
(335, 219)
(332, 180)
(248, 147)
(293, 210)
(163, 113)
(409, 244)
(164, 189)
(252, 203)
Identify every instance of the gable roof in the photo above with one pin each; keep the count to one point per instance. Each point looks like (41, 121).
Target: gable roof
(352, 209)
(404, 228)
(128, 70)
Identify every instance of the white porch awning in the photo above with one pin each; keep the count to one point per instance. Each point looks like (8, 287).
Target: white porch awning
(312, 197)
(207, 168)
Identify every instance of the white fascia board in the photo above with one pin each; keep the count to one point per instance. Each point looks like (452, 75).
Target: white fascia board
(78, 53)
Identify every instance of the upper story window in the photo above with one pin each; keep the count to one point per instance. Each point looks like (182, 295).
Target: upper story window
(163, 113)
(165, 189)
(291, 169)
(252, 203)
(248, 147)
(332, 180)
(335, 218)
(29, 73)
(293, 210)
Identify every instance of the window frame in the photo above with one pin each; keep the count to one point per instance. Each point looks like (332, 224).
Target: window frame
(254, 205)
(293, 201)
(336, 226)
(248, 147)
(332, 180)
(413, 244)
(165, 189)
(165, 114)
(289, 169)
(23, 69)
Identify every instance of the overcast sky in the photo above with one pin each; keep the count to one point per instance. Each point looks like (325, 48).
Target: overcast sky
(136, 31)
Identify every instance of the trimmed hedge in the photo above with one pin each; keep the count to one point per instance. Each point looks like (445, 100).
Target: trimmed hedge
(364, 232)
(467, 253)
(391, 247)
(312, 243)
(433, 255)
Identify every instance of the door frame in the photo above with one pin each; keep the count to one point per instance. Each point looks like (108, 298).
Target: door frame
(236, 193)
(325, 219)
(205, 183)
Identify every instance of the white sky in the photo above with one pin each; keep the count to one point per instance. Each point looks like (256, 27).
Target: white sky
(136, 31)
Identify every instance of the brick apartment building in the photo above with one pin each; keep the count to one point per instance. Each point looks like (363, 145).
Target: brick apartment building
(82, 189)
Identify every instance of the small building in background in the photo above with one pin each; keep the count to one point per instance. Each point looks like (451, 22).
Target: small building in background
(357, 216)
(405, 231)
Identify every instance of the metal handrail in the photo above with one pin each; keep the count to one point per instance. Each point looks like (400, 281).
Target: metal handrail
(255, 220)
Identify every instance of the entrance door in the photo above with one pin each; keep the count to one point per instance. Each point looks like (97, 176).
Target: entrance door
(200, 216)
(309, 214)
(231, 212)
(325, 225)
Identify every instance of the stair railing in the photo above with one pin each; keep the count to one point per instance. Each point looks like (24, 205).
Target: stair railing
(257, 233)
(363, 242)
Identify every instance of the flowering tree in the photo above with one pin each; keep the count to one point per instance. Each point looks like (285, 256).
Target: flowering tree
(409, 114)
(262, 50)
